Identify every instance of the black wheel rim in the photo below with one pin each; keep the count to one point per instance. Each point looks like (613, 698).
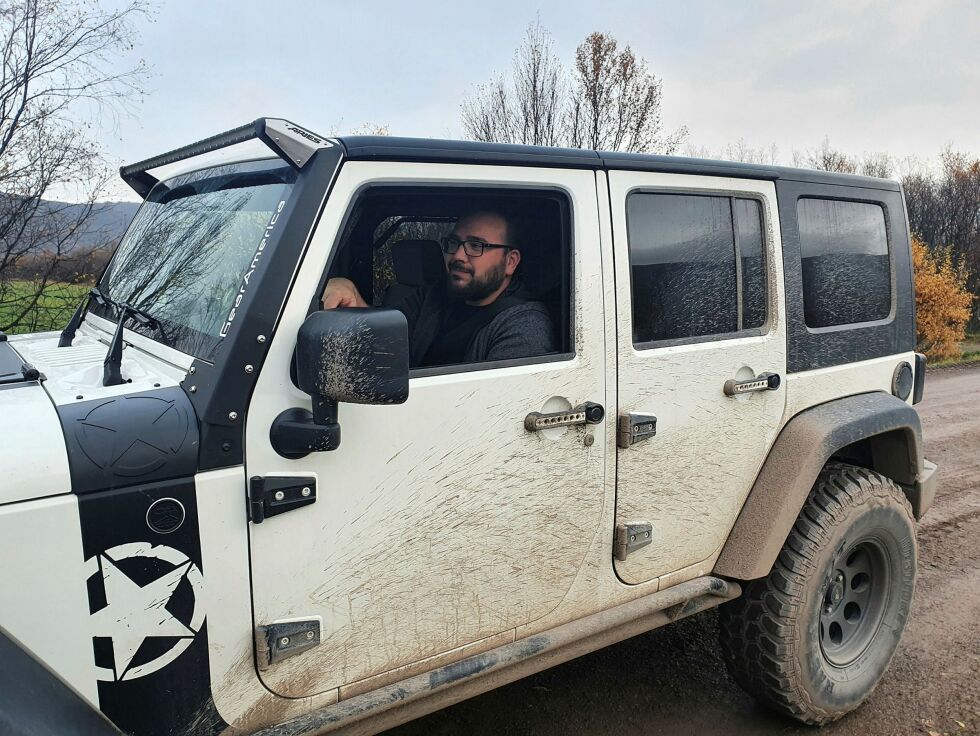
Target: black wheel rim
(853, 602)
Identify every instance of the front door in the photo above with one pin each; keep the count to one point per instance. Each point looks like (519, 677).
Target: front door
(700, 302)
(442, 524)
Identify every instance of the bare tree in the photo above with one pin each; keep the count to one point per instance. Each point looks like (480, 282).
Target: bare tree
(529, 108)
(944, 212)
(608, 100)
(58, 66)
(739, 151)
(616, 103)
(826, 158)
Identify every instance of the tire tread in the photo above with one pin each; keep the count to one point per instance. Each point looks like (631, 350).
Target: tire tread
(760, 630)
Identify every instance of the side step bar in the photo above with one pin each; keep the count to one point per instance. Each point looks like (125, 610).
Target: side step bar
(416, 696)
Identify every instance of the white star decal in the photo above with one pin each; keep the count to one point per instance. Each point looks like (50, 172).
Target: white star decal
(135, 613)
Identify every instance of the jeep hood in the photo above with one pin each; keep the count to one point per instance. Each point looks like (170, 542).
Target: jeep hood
(38, 383)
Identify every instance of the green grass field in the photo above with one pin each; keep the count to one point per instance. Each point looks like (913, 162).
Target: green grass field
(52, 311)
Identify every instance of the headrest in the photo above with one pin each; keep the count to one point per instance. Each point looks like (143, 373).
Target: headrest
(418, 262)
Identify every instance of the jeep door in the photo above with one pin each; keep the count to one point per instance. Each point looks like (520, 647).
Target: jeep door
(440, 525)
(700, 318)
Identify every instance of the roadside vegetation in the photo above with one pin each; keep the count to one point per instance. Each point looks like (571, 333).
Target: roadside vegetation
(33, 309)
(64, 63)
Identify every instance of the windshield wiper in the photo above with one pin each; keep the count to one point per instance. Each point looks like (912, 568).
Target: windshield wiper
(112, 365)
(94, 295)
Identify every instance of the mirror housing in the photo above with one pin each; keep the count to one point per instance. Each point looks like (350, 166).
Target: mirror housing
(352, 355)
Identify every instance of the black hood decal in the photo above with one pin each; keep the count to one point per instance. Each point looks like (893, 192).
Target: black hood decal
(136, 438)
(148, 621)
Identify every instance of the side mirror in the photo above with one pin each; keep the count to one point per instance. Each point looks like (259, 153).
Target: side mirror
(357, 356)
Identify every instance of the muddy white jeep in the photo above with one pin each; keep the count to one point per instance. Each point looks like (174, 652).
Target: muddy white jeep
(226, 510)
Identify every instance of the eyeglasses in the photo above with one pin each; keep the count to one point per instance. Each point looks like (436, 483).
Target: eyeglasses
(472, 248)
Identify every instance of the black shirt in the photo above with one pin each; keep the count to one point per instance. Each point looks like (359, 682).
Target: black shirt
(455, 334)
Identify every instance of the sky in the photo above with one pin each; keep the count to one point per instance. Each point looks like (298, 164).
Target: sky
(898, 76)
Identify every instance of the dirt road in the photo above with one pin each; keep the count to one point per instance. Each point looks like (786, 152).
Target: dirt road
(673, 681)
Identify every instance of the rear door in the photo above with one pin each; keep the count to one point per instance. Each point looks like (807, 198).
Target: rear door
(442, 524)
(700, 301)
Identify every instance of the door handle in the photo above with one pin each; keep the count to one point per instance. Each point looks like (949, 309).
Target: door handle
(587, 413)
(763, 382)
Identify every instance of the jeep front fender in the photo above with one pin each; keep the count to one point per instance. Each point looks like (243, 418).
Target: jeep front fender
(803, 447)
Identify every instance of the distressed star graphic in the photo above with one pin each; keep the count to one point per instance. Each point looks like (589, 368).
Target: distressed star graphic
(153, 432)
(135, 613)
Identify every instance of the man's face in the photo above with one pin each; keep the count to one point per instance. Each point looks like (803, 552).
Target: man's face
(477, 278)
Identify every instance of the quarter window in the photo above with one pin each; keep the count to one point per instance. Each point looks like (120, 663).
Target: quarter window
(846, 267)
(697, 265)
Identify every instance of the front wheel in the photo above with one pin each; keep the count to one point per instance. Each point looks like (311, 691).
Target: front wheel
(814, 637)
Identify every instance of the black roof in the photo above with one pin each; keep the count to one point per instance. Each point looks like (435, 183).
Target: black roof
(390, 148)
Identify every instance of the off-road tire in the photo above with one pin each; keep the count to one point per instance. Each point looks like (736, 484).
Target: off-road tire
(772, 636)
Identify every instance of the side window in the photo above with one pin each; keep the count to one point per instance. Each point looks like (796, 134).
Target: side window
(482, 275)
(846, 266)
(751, 247)
(697, 265)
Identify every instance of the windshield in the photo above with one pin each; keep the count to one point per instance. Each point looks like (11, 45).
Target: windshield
(184, 256)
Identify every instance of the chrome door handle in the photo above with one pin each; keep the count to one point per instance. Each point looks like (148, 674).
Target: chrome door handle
(763, 382)
(587, 413)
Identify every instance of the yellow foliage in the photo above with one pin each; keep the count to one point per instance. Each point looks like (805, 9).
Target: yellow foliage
(942, 302)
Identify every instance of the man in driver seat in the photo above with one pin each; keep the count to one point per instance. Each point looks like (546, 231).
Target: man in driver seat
(482, 313)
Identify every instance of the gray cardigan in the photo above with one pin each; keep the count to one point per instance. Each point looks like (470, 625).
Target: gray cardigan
(520, 331)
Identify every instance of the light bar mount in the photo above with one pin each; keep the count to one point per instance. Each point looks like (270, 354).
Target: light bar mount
(292, 143)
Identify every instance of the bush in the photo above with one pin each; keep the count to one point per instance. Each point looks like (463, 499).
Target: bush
(942, 301)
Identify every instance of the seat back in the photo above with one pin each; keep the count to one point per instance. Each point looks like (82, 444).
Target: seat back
(415, 263)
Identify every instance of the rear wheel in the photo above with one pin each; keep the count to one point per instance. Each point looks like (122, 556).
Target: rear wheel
(814, 637)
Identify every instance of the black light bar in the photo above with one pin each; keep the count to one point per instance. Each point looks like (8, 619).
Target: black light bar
(291, 142)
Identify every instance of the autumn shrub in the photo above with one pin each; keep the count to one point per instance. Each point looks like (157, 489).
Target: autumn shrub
(942, 301)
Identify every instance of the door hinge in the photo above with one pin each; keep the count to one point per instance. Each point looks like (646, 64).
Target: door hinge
(272, 496)
(630, 537)
(276, 642)
(633, 428)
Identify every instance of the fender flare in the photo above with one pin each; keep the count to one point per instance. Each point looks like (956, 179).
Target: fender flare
(35, 700)
(804, 445)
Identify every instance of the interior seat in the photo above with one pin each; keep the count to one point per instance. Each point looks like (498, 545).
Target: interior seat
(415, 263)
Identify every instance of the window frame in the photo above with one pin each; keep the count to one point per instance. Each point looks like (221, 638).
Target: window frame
(561, 194)
(892, 277)
(766, 327)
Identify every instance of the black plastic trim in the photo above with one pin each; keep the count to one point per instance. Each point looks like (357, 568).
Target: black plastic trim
(13, 368)
(142, 182)
(220, 390)
(34, 701)
(809, 348)
(919, 387)
(806, 442)
(129, 439)
(390, 148)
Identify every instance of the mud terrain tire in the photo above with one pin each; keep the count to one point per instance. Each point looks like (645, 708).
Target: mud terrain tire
(813, 638)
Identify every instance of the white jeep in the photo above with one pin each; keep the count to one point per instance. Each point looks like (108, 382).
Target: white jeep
(723, 414)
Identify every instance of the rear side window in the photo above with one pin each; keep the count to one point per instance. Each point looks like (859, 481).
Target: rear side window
(846, 266)
(697, 265)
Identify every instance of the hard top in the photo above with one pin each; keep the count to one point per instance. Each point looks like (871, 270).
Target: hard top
(391, 148)
(297, 146)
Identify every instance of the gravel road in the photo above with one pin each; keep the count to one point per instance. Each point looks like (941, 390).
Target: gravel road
(673, 681)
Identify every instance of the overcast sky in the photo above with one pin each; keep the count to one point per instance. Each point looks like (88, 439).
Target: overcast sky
(901, 76)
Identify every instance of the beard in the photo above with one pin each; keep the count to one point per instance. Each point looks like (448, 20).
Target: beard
(476, 288)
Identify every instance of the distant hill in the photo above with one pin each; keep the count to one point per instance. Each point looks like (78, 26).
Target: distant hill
(106, 224)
